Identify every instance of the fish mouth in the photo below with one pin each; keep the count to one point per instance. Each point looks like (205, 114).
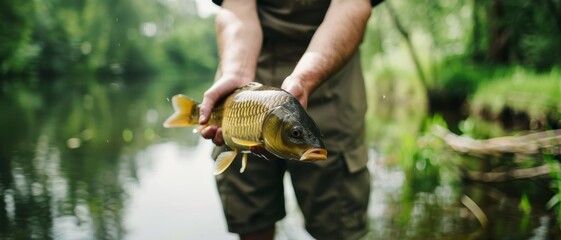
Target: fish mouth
(314, 154)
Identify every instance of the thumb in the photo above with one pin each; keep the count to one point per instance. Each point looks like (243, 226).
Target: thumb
(216, 92)
(205, 108)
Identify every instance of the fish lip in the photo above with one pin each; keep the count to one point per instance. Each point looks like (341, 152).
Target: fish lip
(314, 154)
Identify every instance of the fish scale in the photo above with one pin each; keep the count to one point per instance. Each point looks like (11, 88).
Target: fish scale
(247, 110)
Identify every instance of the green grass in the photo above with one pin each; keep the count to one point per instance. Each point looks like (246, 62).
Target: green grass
(523, 90)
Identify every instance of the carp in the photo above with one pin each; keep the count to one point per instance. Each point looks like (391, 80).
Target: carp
(254, 118)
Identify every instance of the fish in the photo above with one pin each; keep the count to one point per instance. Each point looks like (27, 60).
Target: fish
(258, 119)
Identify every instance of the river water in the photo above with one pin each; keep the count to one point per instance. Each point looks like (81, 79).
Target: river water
(88, 159)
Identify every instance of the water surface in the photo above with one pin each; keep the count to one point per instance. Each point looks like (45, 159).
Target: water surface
(88, 159)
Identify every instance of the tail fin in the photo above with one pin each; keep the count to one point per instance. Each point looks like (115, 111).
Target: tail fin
(186, 112)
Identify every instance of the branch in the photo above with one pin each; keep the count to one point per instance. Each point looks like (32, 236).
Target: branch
(504, 176)
(531, 144)
(407, 38)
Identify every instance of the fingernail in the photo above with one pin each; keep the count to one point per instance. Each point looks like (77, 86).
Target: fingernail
(202, 116)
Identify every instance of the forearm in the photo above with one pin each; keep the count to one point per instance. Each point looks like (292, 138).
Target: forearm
(335, 41)
(239, 42)
(239, 39)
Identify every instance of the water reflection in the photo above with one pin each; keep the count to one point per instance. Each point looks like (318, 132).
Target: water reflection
(175, 197)
(70, 147)
(446, 214)
(89, 159)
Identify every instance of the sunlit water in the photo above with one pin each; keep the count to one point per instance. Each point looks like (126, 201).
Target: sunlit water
(92, 161)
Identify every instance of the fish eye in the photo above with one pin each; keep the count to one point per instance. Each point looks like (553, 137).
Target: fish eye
(297, 131)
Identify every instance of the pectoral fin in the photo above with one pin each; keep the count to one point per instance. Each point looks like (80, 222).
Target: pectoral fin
(244, 162)
(246, 143)
(223, 161)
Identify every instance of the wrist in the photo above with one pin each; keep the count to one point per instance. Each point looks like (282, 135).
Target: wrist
(236, 78)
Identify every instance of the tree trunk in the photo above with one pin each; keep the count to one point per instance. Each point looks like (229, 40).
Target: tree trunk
(476, 48)
(409, 43)
(498, 34)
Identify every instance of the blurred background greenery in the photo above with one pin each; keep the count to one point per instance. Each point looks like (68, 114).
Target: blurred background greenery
(53, 38)
(84, 89)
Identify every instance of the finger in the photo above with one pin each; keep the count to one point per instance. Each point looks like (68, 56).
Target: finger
(208, 132)
(217, 91)
(207, 105)
(218, 138)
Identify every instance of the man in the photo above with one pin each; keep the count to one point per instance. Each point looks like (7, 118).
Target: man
(310, 49)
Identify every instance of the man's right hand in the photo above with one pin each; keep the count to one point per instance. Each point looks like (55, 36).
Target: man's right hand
(219, 90)
(239, 38)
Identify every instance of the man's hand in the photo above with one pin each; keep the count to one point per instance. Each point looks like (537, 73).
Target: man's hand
(294, 86)
(239, 38)
(220, 89)
(334, 42)
(217, 91)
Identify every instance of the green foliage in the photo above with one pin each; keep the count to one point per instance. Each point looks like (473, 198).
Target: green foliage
(525, 204)
(191, 48)
(132, 37)
(487, 55)
(457, 40)
(16, 49)
(521, 90)
(555, 186)
(512, 100)
(520, 33)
